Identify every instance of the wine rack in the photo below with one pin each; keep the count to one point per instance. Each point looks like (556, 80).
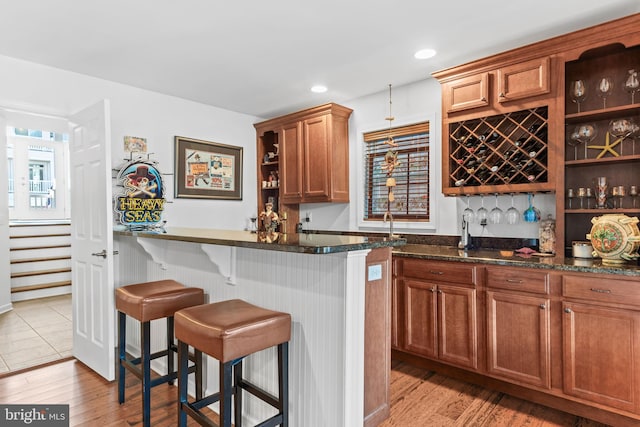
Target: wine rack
(502, 150)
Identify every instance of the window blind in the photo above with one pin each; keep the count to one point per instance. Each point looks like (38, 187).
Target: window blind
(412, 174)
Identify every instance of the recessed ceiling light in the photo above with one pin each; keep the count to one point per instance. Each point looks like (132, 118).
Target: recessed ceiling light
(425, 54)
(318, 89)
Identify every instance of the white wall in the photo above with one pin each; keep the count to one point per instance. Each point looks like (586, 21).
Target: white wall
(31, 87)
(410, 104)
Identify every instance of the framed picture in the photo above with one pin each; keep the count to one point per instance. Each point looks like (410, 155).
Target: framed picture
(207, 170)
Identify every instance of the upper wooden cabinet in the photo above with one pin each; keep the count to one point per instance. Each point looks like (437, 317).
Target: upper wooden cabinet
(513, 82)
(313, 154)
(524, 79)
(466, 92)
(496, 127)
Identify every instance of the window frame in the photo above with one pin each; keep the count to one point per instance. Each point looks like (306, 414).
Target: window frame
(377, 224)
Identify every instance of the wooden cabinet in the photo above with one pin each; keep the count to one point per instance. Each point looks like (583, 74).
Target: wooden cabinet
(523, 80)
(518, 325)
(600, 120)
(312, 164)
(513, 82)
(569, 340)
(496, 125)
(466, 92)
(441, 312)
(601, 340)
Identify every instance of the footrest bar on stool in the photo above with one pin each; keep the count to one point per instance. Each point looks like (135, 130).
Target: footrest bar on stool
(206, 401)
(196, 415)
(259, 393)
(271, 422)
(135, 370)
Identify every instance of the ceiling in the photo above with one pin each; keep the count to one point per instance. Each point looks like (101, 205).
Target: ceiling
(262, 57)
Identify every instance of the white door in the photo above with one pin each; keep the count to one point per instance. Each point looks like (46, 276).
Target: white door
(92, 239)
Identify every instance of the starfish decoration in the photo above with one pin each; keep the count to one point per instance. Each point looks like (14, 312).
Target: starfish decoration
(608, 146)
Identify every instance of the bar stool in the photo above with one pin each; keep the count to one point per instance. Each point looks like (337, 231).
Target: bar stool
(146, 302)
(229, 331)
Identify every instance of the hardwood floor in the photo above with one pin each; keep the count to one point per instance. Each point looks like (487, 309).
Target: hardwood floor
(419, 399)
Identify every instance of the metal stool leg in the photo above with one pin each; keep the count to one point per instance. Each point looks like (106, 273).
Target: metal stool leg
(198, 372)
(237, 394)
(283, 381)
(170, 366)
(122, 334)
(145, 363)
(226, 392)
(183, 374)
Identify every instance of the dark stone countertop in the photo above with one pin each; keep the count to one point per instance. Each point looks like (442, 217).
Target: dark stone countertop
(308, 243)
(491, 256)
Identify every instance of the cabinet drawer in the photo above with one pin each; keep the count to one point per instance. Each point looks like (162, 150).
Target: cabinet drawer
(518, 280)
(602, 289)
(450, 272)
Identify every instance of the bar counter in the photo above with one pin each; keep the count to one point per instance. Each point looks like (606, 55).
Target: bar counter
(308, 243)
(323, 281)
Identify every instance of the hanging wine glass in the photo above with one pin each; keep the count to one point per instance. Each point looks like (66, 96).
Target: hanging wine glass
(632, 84)
(513, 214)
(578, 92)
(496, 215)
(604, 89)
(482, 213)
(532, 214)
(468, 215)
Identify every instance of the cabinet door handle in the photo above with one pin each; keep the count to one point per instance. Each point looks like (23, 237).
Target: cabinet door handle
(438, 273)
(439, 291)
(501, 95)
(483, 99)
(568, 310)
(543, 306)
(433, 289)
(514, 280)
(601, 291)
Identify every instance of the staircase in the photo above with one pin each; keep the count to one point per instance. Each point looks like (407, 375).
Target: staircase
(40, 258)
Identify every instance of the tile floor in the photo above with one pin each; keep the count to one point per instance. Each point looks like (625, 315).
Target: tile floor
(35, 332)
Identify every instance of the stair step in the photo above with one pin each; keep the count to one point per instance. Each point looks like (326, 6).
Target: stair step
(38, 224)
(41, 286)
(40, 247)
(41, 272)
(48, 258)
(27, 236)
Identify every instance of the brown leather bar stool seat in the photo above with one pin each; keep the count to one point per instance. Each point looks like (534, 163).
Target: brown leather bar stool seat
(228, 331)
(146, 302)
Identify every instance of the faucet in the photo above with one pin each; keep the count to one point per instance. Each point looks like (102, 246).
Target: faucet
(465, 238)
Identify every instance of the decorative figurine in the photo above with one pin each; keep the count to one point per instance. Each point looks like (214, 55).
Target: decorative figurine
(269, 218)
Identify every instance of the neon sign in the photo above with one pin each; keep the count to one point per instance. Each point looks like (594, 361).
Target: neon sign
(141, 202)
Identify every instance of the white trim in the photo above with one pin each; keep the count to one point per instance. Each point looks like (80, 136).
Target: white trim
(434, 177)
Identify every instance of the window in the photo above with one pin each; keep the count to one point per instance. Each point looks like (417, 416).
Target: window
(412, 174)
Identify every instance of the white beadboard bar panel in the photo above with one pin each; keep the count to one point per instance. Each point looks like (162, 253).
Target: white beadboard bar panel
(324, 295)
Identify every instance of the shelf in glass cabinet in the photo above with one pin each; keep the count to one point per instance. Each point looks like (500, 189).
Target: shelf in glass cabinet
(603, 113)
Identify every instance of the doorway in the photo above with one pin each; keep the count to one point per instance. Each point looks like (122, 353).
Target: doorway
(40, 291)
